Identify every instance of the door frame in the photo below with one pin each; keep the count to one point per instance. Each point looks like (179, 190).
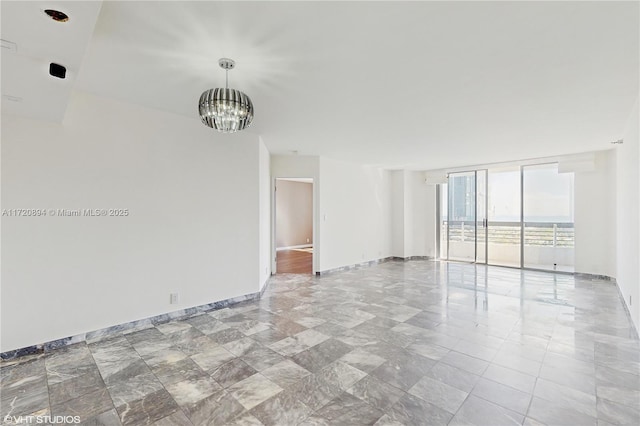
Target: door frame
(314, 230)
(475, 214)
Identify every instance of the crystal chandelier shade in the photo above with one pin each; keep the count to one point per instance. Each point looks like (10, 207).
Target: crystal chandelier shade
(226, 110)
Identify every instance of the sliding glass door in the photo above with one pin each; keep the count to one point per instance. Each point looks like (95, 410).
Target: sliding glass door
(481, 216)
(519, 216)
(461, 230)
(548, 218)
(504, 217)
(466, 216)
(443, 225)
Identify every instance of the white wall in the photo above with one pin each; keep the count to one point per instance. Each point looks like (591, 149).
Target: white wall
(193, 224)
(265, 213)
(595, 218)
(299, 166)
(396, 199)
(355, 214)
(628, 217)
(422, 217)
(413, 215)
(364, 213)
(294, 213)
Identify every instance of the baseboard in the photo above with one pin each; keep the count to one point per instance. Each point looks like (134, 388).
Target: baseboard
(265, 285)
(406, 259)
(626, 309)
(131, 326)
(371, 263)
(588, 276)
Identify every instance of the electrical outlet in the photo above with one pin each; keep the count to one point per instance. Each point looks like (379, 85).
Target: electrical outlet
(174, 298)
(307, 240)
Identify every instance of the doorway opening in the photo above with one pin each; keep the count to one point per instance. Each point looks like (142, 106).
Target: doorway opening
(294, 225)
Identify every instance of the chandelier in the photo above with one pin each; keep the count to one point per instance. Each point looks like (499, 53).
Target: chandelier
(226, 110)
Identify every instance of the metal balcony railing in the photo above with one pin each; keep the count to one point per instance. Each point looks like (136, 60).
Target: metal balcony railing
(558, 234)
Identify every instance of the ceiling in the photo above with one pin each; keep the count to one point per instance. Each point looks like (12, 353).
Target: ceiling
(417, 85)
(31, 41)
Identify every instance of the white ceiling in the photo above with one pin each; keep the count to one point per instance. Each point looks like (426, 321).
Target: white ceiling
(27, 88)
(419, 85)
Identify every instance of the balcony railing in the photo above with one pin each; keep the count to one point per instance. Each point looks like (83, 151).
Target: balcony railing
(558, 234)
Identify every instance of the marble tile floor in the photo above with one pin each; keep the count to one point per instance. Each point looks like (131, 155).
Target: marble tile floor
(399, 343)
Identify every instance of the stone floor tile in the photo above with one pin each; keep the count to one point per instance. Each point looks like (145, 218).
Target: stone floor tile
(453, 376)
(439, 394)
(76, 387)
(108, 418)
(502, 395)
(553, 413)
(478, 412)
(285, 373)
(392, 344)
(254, 390)
(465, 362)
(515, 379)
(560, 394)
(192, 391)
(284, 408)
(232, 372)
(403, 371)
(151, 408)
(411, 410)
(86, 406)
(217, 409)
(376, 392)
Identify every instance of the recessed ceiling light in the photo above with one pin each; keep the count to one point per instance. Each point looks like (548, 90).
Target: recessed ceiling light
(57, 70)
(56, 15)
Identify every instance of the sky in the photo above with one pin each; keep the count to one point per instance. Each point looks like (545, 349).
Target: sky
(548, 195)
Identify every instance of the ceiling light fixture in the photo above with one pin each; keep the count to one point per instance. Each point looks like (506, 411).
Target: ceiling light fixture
(226, 110)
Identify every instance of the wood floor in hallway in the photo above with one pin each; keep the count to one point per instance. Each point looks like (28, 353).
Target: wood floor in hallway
(294, 262)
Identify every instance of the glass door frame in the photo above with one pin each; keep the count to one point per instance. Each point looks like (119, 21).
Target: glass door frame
(523, 222)
(485, 220)
(484, 224)
(485, 213)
